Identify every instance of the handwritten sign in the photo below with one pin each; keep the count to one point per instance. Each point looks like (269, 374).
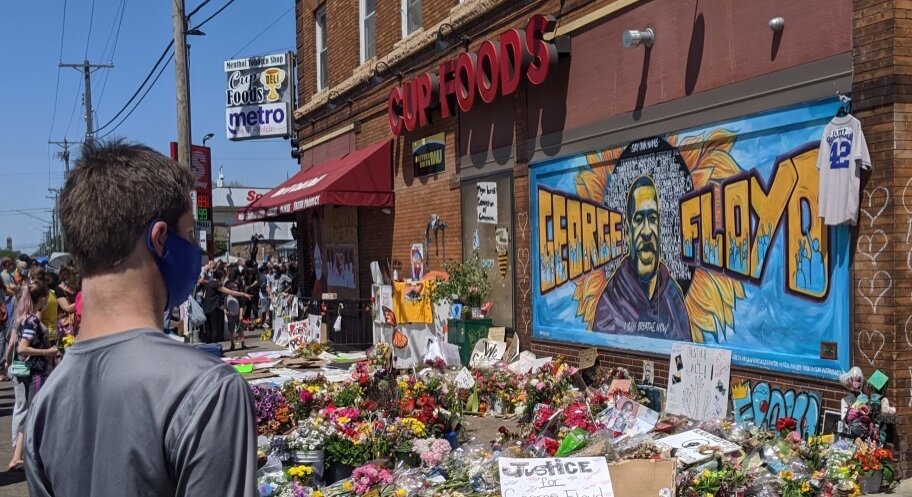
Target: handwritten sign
(698, 381)
(304, 332)
(696, 445)
(497, 334)
(566, 476)
(464, 379)
(587, 358)
(487, 202)
(486, 353)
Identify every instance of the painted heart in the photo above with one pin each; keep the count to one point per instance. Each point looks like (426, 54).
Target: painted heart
(908, 332)
(868, 340)
(870, 195)
(522, 219)
(904, 197)
(867, 244)
(867, 290)
(764, 406)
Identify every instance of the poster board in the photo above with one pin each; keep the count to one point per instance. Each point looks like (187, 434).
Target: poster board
(304, 331)
(690, 443)
(638, 478)
(487, 353)
(571, 476)
(698, 382)
(588, 357)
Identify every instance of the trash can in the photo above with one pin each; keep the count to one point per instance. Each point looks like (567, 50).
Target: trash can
(465, 333)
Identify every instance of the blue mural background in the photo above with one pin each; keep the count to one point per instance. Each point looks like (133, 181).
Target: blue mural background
(772, 328)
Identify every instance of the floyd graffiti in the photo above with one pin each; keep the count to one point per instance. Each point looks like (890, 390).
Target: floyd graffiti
(707, 235)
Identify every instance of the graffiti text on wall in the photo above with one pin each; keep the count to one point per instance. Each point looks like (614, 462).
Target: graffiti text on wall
(765, 405)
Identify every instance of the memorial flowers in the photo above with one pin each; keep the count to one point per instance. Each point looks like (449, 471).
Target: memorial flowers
(272, 412)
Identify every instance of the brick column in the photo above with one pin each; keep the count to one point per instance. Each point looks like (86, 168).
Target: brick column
(882, 101)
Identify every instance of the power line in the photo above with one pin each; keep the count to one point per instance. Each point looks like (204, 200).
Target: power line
(57, 85)
(217, 12)
(75, 103)
(140, 98)
(198, 7)
(157, 63)
(258, 35)
(91, 21)
(119, 20)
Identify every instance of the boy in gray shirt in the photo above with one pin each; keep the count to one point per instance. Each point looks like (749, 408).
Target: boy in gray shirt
(129, 411)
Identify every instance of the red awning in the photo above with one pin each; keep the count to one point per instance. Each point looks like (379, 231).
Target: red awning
(363, 178)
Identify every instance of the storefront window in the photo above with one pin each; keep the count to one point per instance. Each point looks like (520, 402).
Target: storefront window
(487, 229)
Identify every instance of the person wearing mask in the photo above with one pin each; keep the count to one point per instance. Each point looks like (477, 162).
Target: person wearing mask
(131, 411)
(31, 346)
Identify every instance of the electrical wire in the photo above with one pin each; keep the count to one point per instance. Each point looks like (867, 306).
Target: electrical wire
(258, 35)
(217, 12)
(143, 84)
(91, 21)
(73, 112)
(140, 98)
(57, 85)
(198, 7)
(119, 20)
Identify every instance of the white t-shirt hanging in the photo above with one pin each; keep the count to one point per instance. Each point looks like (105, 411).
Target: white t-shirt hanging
(843, 153)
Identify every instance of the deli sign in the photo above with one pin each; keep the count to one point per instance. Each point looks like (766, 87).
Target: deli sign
(497, 69)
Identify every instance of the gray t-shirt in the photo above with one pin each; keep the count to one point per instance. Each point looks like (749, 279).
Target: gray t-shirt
(139, 414)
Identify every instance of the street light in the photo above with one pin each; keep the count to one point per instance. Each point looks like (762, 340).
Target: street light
(208, 137)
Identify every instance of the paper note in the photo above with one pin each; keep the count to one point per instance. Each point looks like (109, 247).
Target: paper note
(487, 202)
(566, 476)
(696, 445)
(497, 333)
(464, 379)
(698, 381)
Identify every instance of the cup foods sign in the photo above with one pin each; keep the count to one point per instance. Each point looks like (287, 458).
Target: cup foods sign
(259, 96)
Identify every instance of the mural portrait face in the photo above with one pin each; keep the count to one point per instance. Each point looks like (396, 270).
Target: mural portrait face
(643, 227)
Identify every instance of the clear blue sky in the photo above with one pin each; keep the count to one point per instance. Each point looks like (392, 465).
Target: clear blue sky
(31, 50)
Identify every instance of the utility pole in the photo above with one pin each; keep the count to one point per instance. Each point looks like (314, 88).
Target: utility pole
(179, 22)
(56, 232)
(64, 154)
(87, 70)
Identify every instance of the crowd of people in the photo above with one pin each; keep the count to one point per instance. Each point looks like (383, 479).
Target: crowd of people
(233, 294)
(40, 313)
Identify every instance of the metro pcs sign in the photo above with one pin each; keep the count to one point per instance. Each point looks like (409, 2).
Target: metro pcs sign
(496, 69)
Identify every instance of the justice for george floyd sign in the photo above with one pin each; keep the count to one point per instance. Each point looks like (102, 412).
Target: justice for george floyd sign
(555, 477)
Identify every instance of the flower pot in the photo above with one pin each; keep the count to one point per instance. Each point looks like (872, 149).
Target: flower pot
(337, 472)
(312, 458)
(408, 458)
(453, 438)
(871, 482)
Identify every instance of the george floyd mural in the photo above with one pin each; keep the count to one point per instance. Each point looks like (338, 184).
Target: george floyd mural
(706, 235)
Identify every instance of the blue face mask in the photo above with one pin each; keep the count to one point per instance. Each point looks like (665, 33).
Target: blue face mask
(179, 266)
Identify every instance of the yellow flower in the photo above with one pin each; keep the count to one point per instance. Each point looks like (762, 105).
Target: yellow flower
(400, 492)
(347, 486)
(706, 474)
(343, 420)
(316, 493)
(805, 487)
(709, 495)
(787, 475)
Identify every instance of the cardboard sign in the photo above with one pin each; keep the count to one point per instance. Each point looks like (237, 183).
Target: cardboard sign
(450, 354)
(487, 353)
(538, 363)
(696, 445)
(619, 385)
(304, 332)
(464, 379)
(638, 478)
(512, 349)
(698, 381)
(570, 476)
(497, 334)
(587, 358)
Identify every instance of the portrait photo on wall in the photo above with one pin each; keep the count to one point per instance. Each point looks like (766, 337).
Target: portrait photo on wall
(709, 235)
(340, 266)
(416, 261)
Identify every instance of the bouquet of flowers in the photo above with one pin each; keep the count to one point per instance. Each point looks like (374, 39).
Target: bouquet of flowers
(792, 486)
(368, 477)
(432, 451)
(348, 440)
(311, 435)
(404, 431)
(301, 474)
(550, 385)
(311, 349)
(872, 458)
(304, 397)
(272, 412)
(726, 481)
(841, 469)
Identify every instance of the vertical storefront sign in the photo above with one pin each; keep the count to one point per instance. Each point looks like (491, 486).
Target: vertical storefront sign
(429, 155)
(201, 165)
(708, 235)
(259, 96)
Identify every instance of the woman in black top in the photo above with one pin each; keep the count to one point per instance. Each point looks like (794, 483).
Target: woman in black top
(214, 331)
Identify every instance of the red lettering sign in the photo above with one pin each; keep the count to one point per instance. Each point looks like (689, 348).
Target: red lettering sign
(253, 196)
(497, 69)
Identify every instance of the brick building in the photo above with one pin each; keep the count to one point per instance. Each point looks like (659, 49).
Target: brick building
(716, 122)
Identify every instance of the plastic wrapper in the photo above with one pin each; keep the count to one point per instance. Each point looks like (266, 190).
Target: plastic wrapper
(600, 444)
(273, 467)
(575, 440)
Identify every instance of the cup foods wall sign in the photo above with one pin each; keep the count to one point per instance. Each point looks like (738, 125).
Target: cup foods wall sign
(259, 96)
(708, 235)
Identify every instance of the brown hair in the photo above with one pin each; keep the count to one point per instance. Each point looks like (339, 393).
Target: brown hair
(69, 276)
(108, 201)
